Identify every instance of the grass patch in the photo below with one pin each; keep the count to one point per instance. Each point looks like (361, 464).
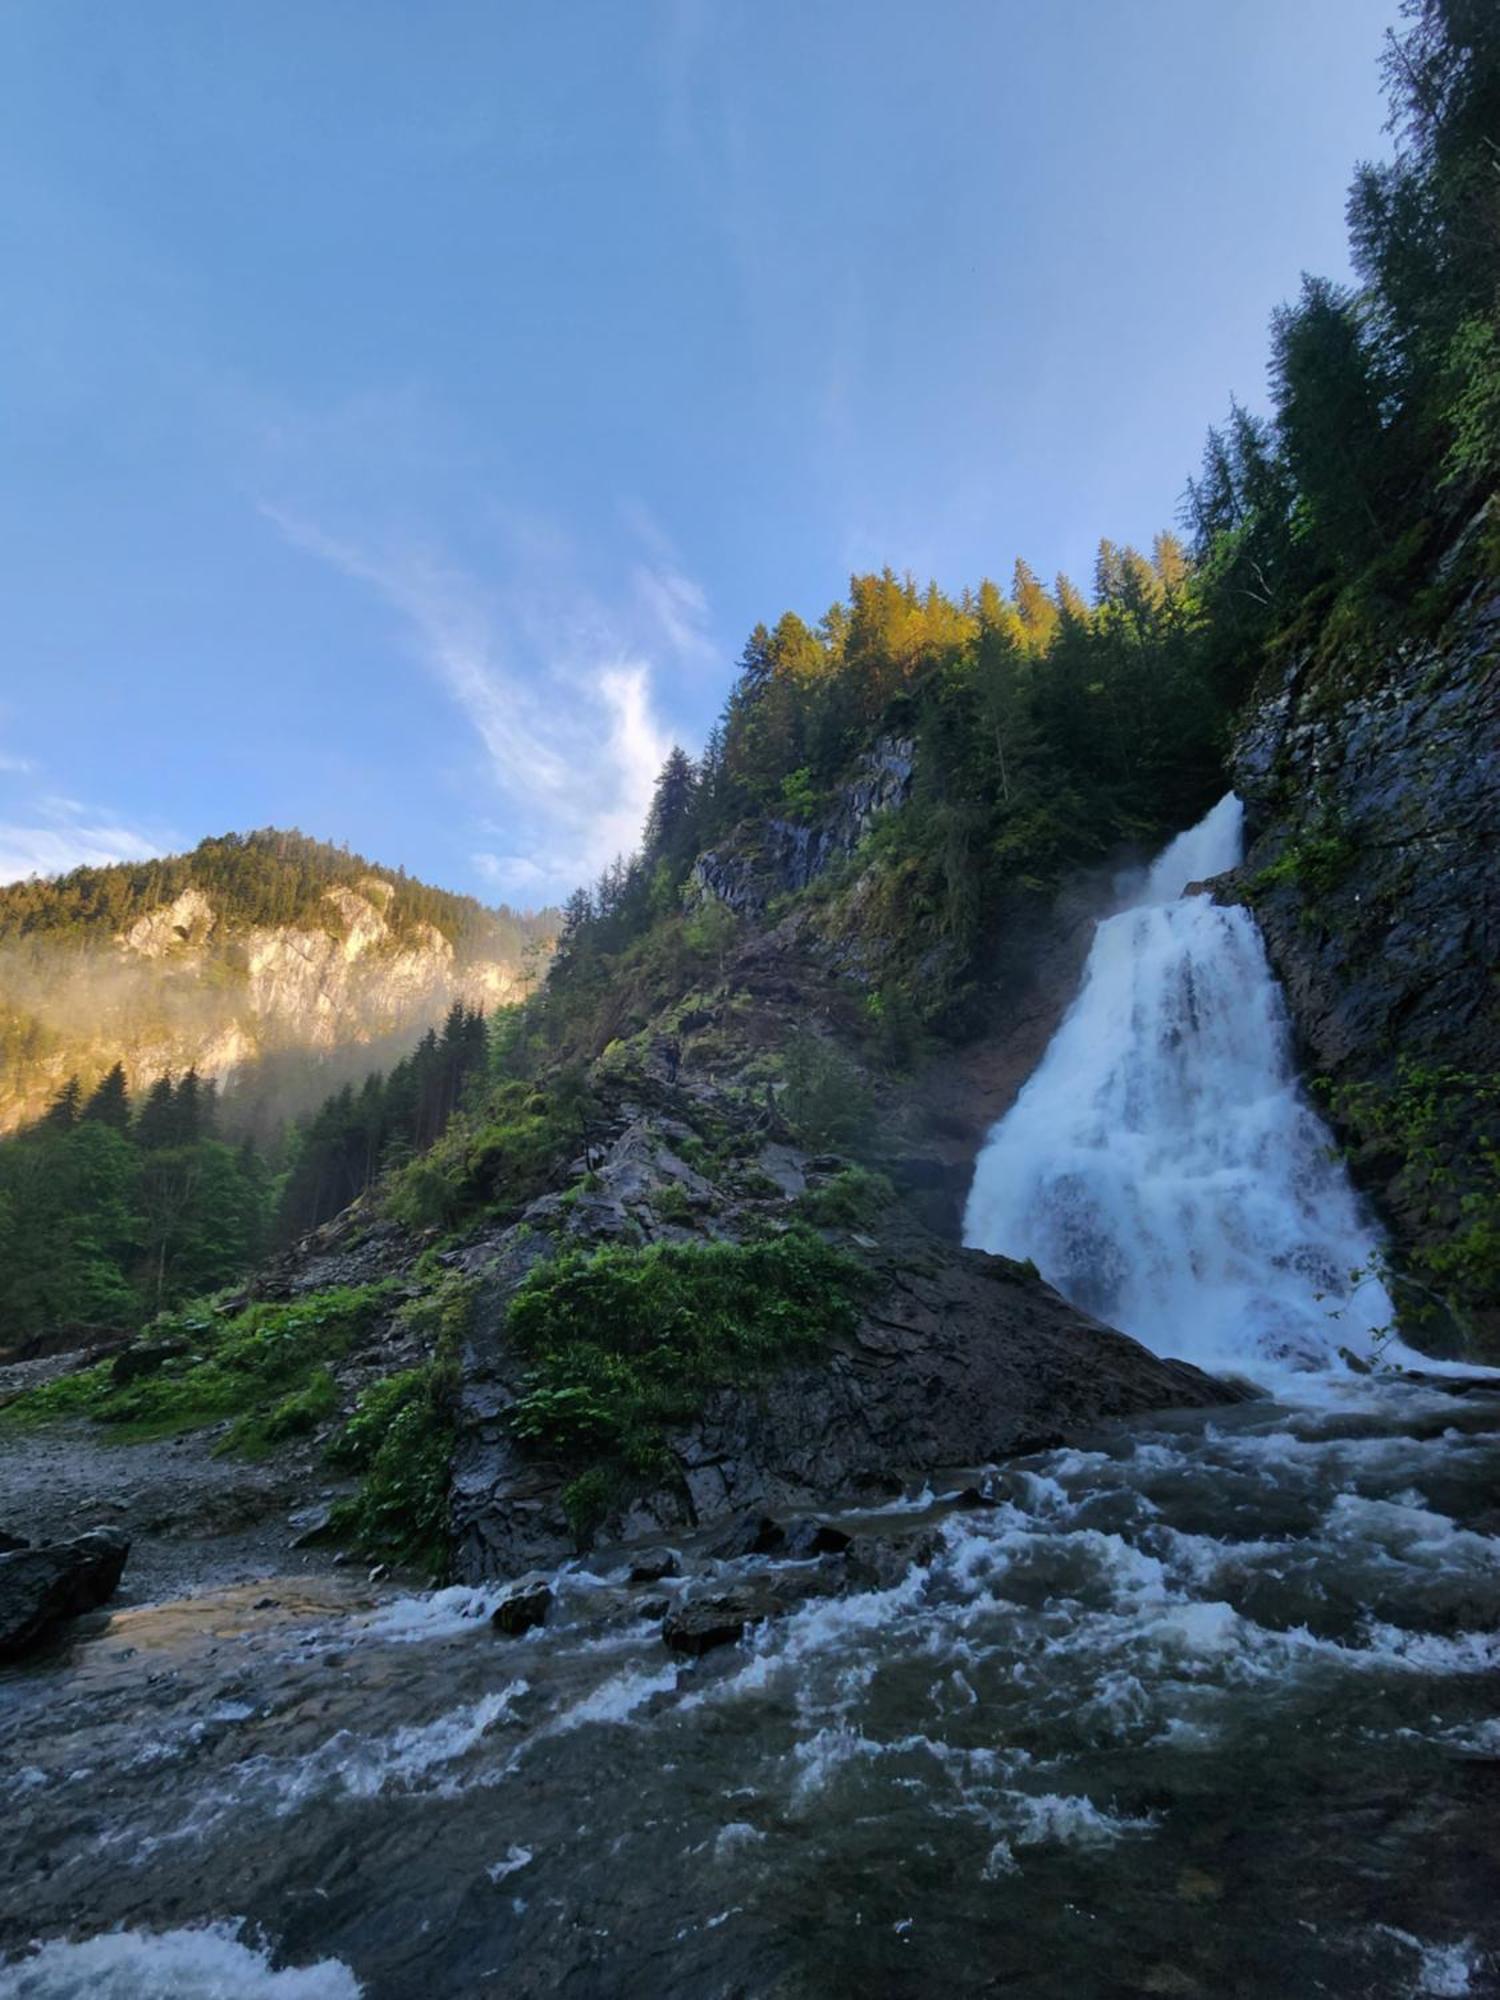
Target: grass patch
(626, 1344)
(1316, 863)
(266, 1367)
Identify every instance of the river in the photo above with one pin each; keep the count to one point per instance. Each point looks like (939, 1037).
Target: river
(1205, 1706)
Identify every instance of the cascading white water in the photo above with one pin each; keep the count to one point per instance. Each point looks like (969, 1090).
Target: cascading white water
(1162, 1167)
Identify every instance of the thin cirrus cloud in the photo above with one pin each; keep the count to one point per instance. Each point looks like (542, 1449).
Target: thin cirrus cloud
(558, 686)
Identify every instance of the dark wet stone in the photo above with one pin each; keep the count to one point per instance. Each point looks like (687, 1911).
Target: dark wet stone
(881, 1561)
(959, 1360)
(746, 1535)
(813, 1538)
(145, 1357)
(652, 1568)
(522, 1609)
(41, 1588)
(698, 1628)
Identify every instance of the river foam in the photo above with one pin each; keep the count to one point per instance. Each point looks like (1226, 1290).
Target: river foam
(201, 1962)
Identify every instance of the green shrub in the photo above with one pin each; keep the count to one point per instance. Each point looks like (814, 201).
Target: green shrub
(850, 1200)
(1315, 863)
(671, 1204)
(626, 1344)
(824, 1097)
(400, 1439)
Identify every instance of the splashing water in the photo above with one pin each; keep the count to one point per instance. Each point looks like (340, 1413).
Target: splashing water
(1162, 1167)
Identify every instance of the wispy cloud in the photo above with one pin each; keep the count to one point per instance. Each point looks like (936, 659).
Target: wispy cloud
(557, 685)
(68, 836)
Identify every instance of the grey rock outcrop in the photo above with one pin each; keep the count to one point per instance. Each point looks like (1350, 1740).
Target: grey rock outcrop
(1383, 811)
(777, 857)
(1373, 810)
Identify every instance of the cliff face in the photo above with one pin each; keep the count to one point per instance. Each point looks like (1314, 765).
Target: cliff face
(182, 985)
(1373, 811)
(779, 857)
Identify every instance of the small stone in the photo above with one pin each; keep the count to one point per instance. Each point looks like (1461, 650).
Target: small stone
(881, 1562)
(144, 1358)
(311, 1523)
(653, 1568)
(696, 1629)
(746, 1535)
(379, 1573)
(522, 1609)
(808, 1538)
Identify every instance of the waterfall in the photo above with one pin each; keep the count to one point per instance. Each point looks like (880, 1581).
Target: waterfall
(1162, 1167)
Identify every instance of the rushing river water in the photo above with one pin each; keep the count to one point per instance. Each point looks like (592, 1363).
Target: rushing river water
(1204, 1707)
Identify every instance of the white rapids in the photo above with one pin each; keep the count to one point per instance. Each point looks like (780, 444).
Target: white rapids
(1163, 1168)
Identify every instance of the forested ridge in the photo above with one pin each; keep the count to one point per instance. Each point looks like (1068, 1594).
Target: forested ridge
(271, 878)
(1050, 722)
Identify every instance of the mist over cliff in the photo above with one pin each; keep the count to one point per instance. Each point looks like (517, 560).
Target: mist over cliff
(272, 964)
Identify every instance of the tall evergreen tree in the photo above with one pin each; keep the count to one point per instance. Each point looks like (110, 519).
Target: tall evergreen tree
(62, 1114)
(156, 1125)
(109, 1103)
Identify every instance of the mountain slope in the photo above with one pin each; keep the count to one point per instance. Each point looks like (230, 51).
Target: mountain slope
(240, 959)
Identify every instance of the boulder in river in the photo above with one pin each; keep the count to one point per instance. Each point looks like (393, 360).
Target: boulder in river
(712, 1621)
(42, 1587)
(522, 1609)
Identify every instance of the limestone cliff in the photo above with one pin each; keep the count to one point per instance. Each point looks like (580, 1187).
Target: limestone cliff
(188, 982)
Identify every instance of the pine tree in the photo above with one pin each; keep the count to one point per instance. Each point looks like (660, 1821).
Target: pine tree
(1034, 608)
(110, 1101)
(670, 820)
(1328, 410)
(156, 1125)
(62, 1114)
(189, 1108)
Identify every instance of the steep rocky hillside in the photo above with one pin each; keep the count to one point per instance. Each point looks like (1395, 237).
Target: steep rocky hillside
(240, 959)
(1371, 781)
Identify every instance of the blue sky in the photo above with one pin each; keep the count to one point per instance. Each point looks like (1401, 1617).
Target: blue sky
(407, 411)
